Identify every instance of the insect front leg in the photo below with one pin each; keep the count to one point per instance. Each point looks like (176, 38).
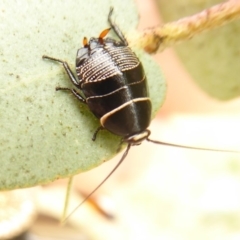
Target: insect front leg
(116, 29)
(71, 77)
(67, 69)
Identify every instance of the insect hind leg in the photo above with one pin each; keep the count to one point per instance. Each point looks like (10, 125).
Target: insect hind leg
(96, 132)
(116, 29)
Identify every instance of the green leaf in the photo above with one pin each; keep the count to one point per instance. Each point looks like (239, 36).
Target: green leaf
(212, 58)
(46, 135)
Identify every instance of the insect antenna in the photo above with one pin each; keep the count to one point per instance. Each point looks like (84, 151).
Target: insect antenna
(188, 147)
(103, 181)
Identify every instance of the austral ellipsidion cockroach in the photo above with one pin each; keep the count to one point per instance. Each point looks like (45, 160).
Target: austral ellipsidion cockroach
(114, 86)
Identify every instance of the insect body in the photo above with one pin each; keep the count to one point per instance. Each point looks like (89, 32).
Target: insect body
(114, 85)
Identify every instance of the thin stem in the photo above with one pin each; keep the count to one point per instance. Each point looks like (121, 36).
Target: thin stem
(66, 203)
(159, 38)
(104, 180)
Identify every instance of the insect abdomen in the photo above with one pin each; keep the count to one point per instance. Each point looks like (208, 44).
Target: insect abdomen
(130, 118)
(121, 101)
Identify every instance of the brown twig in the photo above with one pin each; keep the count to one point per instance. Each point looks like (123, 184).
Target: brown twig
(157, 39)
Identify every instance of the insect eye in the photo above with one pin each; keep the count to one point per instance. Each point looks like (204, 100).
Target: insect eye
(82, 54)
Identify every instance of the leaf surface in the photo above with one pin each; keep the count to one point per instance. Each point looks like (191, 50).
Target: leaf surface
(46, 135)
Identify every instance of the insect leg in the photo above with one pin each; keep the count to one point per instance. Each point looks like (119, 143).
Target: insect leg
(96, 132)
(67, 69)
(116, 29)
(74, 92)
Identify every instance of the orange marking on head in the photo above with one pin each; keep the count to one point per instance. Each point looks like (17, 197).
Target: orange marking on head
(85, 42)
(104, 33)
